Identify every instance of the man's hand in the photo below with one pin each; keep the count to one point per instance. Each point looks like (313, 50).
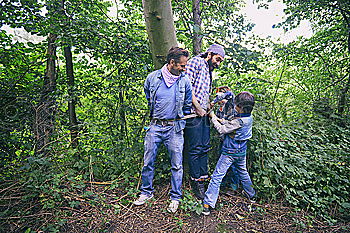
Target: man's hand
(197, 107)
(200, 112)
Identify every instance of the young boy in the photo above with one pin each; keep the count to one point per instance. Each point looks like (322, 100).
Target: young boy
(226, 110)
(237, 133)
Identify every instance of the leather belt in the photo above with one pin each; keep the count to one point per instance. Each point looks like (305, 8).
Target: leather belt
(163, 122)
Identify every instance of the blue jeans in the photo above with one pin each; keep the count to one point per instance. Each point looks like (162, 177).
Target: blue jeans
(173, 141)
(197, 137)
(231, 178)
(224, 163)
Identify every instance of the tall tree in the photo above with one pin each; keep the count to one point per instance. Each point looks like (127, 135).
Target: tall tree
(207, 22)
(160, 29)
(197, 24)
(45, 110)
(73, 122)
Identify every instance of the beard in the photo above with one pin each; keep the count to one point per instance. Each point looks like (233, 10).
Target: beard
(212, 66)
(175, 72)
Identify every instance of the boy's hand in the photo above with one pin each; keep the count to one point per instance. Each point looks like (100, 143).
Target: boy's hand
(220, 120)
(212, 114)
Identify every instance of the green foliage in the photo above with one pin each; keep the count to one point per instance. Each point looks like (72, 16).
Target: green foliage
(190, 204)
(302, 163)
(299, 151)
(221, 23)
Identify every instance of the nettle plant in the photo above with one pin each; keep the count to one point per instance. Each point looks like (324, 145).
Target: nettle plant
(307, 165)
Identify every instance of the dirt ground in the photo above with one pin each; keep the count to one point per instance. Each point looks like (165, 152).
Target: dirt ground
(234, 213)
(111, 210)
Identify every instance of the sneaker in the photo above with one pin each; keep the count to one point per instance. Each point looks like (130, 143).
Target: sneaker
(174, 204)
(142, 199)
(251, 199)
(206, 210)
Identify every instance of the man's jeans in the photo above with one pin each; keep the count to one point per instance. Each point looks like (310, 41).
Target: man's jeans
(224, 163)
(174, 143)
(197, 136)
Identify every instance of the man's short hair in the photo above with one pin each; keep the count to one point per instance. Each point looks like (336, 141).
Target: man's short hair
(245, 100)
(176, 53)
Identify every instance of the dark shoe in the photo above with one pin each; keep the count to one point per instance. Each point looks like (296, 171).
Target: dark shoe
(206, 210)
(233, 186)
(198, 189)
(251, 199)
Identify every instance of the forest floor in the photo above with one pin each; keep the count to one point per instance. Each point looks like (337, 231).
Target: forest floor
(111, 210)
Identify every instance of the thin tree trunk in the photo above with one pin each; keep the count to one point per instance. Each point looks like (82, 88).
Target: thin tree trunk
(73, 123)
(160, 29)
(45, 110)
(197, 23)
(344, 91)
(124, 127)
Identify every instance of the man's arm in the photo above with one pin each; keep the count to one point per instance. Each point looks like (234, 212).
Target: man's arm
(146, 90)
(197, 107)
(191, 73)
(226, 126)
(188, 98)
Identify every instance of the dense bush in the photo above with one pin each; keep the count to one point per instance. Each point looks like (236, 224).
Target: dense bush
(307, 164)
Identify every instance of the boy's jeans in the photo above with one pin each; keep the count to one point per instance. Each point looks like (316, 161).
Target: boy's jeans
(231, 178)
(174, 143)
(224, 163)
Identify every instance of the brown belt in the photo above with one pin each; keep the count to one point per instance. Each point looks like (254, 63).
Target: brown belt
(163, 122)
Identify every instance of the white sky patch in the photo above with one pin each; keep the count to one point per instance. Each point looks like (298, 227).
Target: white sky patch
(21, 35)
(264, 19)
(116, 6)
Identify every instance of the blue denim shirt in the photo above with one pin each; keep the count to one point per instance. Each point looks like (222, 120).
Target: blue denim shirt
(165, 102)
(183, 96)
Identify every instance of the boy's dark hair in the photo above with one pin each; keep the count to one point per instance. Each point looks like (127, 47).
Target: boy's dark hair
(176, 53)
(245, 100)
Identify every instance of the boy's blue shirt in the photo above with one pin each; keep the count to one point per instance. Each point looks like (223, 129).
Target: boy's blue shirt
(236, 132)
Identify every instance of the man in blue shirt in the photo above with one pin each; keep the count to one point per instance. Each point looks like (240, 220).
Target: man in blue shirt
(169, 96)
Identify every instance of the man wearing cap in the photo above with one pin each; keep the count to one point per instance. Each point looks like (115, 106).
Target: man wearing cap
(197, 132)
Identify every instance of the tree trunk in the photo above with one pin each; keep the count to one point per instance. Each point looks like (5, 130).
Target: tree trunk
(45, 110)
(343, 95)
(73, 123)
(160, 29)
(197, 23)
(123, 126)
